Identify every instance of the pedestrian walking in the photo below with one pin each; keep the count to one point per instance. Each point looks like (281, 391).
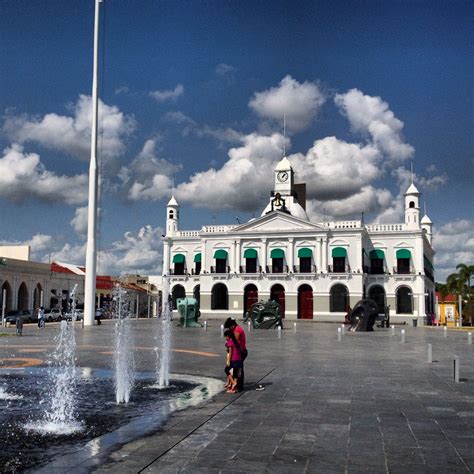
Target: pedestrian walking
(241, 343)
(41, 317)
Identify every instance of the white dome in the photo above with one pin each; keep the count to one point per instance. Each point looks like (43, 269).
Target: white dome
(412, 189)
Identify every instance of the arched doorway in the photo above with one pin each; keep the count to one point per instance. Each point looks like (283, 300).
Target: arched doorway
(250, 296)
(305, 302)
(37, 296)
(197, 293)
(277, 293)
(178, 292)
(404, 300)
(219, 297)
(8, 296)
(338, 299)
(377, 294)
(23, 299)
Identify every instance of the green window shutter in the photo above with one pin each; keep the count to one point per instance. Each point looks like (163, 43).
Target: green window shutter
(377, 253)
(403, 253)
(339, 252)
(197, 257)
(305, 252)
(277, 253)
(221, 254)
(250, 253)
(178, 258)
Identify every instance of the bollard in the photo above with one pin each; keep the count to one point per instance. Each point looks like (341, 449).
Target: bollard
(205, 325)
(343, 329)
(222, 330)
(279, 332)
(430, 353)
(248, 326)
(445, 329)
(469, 337)
(456, 369)
(403, 336)
(294, 327)
(339, 334)
(393, 330)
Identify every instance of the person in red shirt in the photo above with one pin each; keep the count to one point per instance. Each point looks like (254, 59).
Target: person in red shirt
(241, 339)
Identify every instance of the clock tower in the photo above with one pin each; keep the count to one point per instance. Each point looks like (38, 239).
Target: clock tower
(284, 178)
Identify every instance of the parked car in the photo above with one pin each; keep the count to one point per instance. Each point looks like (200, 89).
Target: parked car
(53, 314)
(26, 315)
(79, 315)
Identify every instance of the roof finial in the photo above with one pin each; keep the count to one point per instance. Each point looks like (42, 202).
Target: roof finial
(424, 204)
(284, 134)
(411, 171)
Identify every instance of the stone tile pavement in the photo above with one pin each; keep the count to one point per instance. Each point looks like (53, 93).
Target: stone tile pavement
(365, 404)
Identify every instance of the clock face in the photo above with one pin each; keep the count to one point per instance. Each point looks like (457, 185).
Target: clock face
(282, 176)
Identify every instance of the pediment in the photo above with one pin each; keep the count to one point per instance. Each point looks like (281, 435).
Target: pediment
(277, 221)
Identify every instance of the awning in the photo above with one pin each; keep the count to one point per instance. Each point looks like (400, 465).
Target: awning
(250, 253)
(339, 252)
(403, 253)
(305, 252)
(197, 257)
(221, 254)
(277, 253)
(178, 258)
(377, 253)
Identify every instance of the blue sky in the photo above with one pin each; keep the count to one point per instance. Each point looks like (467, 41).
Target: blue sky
(193, 98)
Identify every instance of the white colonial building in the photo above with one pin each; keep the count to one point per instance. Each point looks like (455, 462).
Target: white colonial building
(313, 269)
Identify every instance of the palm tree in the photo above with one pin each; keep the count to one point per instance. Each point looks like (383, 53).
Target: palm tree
(465, 274)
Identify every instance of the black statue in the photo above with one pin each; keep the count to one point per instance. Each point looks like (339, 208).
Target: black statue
(363, 315)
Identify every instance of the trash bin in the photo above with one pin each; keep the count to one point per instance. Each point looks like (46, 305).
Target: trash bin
(415, 322)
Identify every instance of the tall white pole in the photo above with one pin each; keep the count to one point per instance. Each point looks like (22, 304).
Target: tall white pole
(91, 255)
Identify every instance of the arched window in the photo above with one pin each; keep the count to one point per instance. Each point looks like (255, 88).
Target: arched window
(8, 296)
(404, 300)
(23, 299)
(403, 261)
(377, 262)
(197, 264)
(219, 297)
(171, 214)
(278, 257)
(412, 204)
(37, 296)
(250, 256)
(177, 292)
(221, 261)
(339, 299)
(377, 294)
(305, 257)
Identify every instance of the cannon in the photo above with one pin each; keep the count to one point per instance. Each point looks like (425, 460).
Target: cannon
(188, 309)
(364, 315)
(264, 315)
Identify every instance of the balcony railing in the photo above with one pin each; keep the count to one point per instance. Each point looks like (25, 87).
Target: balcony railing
(403, 271)
(339, 269)
(220, 270)
(282, 269)
(182, 271)
(304, 269)
(195, 272)
(247, 269)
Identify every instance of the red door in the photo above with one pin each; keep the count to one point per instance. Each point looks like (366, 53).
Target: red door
(250, 297)
(277, 293)
(305, 302)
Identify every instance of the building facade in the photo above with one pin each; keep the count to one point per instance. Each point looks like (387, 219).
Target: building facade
(315, 270)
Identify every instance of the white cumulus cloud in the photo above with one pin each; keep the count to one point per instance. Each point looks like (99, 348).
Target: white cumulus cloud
(72, 134)
(23, 176)
(372, 116)
(300, 102)
(168, 94)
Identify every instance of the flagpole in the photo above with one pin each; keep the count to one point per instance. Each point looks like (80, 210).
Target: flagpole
(91, 253)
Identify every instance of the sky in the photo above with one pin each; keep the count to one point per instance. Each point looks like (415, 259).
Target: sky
(193, 95)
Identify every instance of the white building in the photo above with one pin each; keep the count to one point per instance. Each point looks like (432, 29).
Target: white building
(313, 269)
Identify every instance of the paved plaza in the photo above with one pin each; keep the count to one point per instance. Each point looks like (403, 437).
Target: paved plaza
(367, 403)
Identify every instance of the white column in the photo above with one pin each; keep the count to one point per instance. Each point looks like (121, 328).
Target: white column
(203, 257)
(233, 262)
(325, 255)
(238, 256)
(166, 257)
(31, 295)
(291, 252)
(318, 254)
(264, 255)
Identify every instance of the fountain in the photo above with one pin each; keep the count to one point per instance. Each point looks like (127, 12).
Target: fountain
(163, 361)
(123, 354)
(59, 416)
